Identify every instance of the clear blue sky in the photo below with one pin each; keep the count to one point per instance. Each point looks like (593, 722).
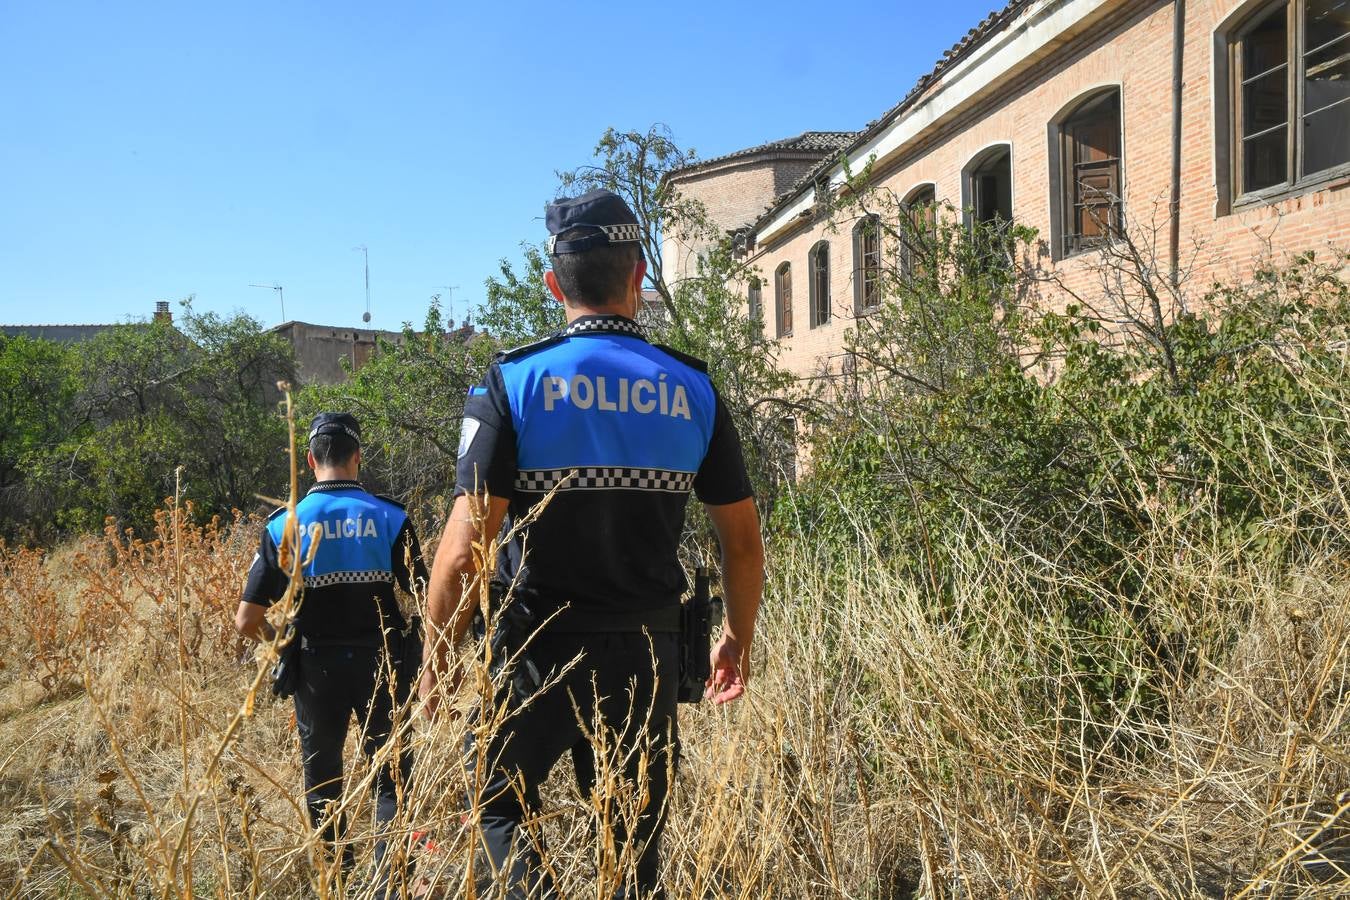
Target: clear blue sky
(152, 151)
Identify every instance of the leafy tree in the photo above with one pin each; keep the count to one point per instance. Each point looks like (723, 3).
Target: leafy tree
(38, 385)
(114, 419)
(636, 165)
(519, 307)
(227, 408)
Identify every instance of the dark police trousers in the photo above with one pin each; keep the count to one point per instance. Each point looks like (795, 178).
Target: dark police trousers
(335, 683)
(638, 713)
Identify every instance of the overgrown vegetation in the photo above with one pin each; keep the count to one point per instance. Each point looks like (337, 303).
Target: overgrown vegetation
(98, 429)
(1058, 609)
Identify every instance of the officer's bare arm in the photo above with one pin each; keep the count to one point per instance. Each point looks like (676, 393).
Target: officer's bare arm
(452, 594)
(250, 620)
(737, 526)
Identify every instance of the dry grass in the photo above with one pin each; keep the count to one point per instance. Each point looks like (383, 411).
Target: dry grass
(888, 748)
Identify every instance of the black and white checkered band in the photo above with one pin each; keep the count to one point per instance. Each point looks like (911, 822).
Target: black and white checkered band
(541, 481)
(336, 485)
(616, 324)
(617, 234)
(332, 578)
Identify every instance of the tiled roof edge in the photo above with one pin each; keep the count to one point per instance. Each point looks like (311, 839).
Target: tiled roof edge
(991, 25)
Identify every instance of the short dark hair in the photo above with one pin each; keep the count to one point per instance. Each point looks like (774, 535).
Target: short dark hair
(595, 277)
(332, 449)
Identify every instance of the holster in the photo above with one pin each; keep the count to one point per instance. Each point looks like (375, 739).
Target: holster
(286, 670)
(408, 659)
(699, 615)
(510, 626)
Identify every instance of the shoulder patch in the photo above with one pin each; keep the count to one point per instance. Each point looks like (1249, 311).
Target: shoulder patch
(691, 361)
(391, 501)
(527, 349)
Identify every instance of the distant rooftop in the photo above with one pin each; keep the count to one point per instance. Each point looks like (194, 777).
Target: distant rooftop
(808, 143)
(61, 334)
(74, 334)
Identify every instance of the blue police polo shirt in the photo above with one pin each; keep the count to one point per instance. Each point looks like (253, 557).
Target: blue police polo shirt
(366, 545)
(622, 431)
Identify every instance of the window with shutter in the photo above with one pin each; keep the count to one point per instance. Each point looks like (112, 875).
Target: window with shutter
(867, 264)
(1090, 151)
(920, 227)
(783, 299)
(754, 299)
(819, 283)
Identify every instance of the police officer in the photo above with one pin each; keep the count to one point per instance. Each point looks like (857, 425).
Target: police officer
(347, 618)
(624, 431)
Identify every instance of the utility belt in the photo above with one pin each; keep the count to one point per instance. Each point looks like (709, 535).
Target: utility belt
(515, 622)
(571, 620)
(403, 645)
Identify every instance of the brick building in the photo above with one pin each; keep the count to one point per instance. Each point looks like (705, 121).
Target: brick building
(1074, 116)
(325, 353)
(736, 188)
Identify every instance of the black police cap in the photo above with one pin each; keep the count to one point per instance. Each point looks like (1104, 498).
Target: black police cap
(602, 211)
(335, 423)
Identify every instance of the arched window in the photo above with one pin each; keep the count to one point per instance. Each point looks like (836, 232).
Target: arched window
(917, 243)
(1289, 66)
(987, 186)
(818, 271)
(1090, 175)
(867, 264)
(754, 298)
(782, 298)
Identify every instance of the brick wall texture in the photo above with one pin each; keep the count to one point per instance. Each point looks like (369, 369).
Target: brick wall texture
(735, 195)
(1133, 51)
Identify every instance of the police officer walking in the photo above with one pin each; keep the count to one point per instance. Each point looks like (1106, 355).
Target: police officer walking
(624, 431)
(348, 627)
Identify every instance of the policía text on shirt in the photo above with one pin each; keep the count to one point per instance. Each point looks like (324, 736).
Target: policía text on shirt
(343, 527)
(599, 392)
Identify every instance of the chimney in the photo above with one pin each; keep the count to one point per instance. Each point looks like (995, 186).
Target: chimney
(162, 313)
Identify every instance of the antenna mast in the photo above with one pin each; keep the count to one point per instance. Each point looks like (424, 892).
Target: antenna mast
(450, 299)
(281, 295)
(365, 254)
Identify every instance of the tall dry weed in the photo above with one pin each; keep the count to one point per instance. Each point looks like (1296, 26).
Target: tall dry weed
(888, 748)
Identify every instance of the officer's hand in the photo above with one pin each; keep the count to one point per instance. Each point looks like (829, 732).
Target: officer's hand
(730, 670)
(428, 694)
(431, 688)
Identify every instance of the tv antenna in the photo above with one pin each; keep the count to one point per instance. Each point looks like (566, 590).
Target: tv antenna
(281, 295)
(450, 298)
(365, 254)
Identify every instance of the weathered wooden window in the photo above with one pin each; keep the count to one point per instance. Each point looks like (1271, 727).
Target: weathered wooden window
(867, 264)
(920, 232)
(754, 297)
(782, 290)
(818, 267)
(1291, 95)
(1091, 176)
